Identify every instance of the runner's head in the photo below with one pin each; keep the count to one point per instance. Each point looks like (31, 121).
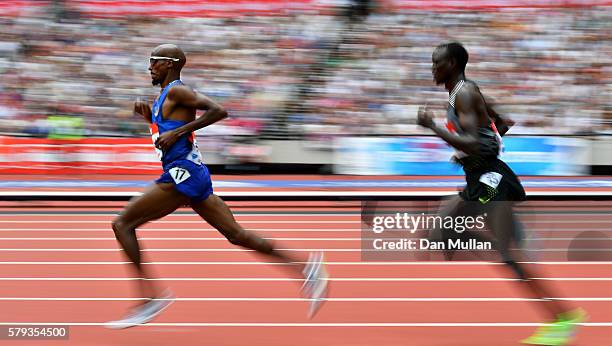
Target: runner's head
(449, 60)
(165, 59)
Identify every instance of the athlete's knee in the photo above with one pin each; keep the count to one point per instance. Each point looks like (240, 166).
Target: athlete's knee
(236, 239)
(116, 225)
(120, 227)
(249, 240)
(517, 269)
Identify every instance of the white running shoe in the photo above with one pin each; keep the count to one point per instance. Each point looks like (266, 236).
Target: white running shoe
(315, 283)
(144, 313)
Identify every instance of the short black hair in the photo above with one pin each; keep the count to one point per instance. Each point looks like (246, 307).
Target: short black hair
(457, 52)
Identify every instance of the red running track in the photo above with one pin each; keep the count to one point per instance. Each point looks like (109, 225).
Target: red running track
(62, 266)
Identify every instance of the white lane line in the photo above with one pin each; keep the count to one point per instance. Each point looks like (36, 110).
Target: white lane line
(278, 299)
(185, 238)
(381, 263)
(193, 215)
(372, 251)
(356, 213)
(272, 238)
(317, 325)
(261, 279)
(165, 250)
(201, 222)
(328, 230)
(204, 229)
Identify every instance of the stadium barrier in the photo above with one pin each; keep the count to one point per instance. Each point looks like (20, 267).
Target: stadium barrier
(402, 155)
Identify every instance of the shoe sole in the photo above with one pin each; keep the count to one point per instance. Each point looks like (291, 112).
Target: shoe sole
(119, 325)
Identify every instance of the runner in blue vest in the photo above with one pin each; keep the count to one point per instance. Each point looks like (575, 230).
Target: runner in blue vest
(186, 181)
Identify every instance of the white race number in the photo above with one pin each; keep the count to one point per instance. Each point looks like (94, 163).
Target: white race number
(179, 175)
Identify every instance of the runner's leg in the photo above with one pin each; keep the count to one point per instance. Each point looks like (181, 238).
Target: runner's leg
(217, 214)
(156, 202)
(500, 220)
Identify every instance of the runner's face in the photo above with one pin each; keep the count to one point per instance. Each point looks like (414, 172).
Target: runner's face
(158, 69)
(441, 66)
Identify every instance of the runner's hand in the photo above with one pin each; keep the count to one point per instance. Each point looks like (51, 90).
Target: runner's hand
(143, 109)
(166, 140)
(425, 117)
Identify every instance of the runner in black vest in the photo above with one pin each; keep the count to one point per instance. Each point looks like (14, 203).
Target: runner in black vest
(492, 188)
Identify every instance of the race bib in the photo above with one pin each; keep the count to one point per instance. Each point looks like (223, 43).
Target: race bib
(179, 175)
(491, 179)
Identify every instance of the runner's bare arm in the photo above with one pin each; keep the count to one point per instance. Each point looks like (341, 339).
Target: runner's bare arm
(185, 97)
(503, 123)
(468, 119)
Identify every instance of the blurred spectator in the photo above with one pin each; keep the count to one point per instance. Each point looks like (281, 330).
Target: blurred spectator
(308, 74)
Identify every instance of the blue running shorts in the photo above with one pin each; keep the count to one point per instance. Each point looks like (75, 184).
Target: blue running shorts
(190, 179)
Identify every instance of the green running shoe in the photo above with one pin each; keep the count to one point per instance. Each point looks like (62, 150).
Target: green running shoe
(561, 332)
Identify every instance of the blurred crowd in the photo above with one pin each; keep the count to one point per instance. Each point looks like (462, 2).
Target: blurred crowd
(308, 75)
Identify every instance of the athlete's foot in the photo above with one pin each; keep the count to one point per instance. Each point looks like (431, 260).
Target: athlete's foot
(561, 332)
(315, 284)
(144, 313)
